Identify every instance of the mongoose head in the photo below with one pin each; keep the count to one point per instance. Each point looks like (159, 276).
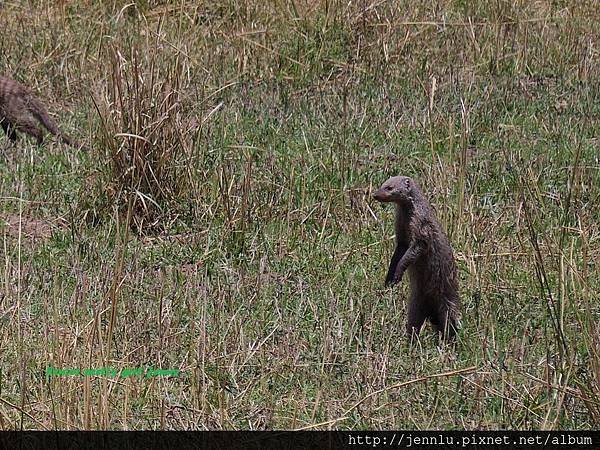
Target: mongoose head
(397, 189)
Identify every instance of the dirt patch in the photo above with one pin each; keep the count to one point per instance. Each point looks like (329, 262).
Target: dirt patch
(30, 227)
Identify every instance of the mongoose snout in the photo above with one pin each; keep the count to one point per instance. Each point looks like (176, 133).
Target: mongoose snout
(381, 196)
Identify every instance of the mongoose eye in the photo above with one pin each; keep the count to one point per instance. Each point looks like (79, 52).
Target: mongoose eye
(388, 188)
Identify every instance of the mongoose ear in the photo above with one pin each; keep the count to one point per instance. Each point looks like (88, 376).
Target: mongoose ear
(407, 182)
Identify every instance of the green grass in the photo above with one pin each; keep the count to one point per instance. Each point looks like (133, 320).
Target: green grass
(262, 279)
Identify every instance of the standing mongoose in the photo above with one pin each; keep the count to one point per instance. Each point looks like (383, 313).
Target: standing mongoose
(422, 248)
(21, 111)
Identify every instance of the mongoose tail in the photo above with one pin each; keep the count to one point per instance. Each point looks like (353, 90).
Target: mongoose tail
(39, 112)
(424, 251)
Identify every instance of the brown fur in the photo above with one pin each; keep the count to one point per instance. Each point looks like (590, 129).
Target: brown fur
(21, 111)
(423, 249)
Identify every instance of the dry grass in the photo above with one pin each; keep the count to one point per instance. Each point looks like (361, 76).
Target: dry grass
(143, 137)
(242, 140)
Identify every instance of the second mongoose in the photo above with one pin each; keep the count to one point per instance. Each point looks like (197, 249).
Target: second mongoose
(423, 250)
(21, 111)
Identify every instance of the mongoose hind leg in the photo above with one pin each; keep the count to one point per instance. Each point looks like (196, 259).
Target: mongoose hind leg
(30, 126)
(444, 324)
(416, 318)
(9, 130)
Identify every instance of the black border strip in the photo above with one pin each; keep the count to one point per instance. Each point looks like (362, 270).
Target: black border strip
(328, 440)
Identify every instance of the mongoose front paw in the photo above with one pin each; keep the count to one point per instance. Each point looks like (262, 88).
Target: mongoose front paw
(391, 282)
(397, 278)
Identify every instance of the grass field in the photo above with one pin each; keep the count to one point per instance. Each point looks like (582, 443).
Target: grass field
(222, 224)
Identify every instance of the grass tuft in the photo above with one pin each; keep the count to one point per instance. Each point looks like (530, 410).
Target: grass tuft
(143, 137)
